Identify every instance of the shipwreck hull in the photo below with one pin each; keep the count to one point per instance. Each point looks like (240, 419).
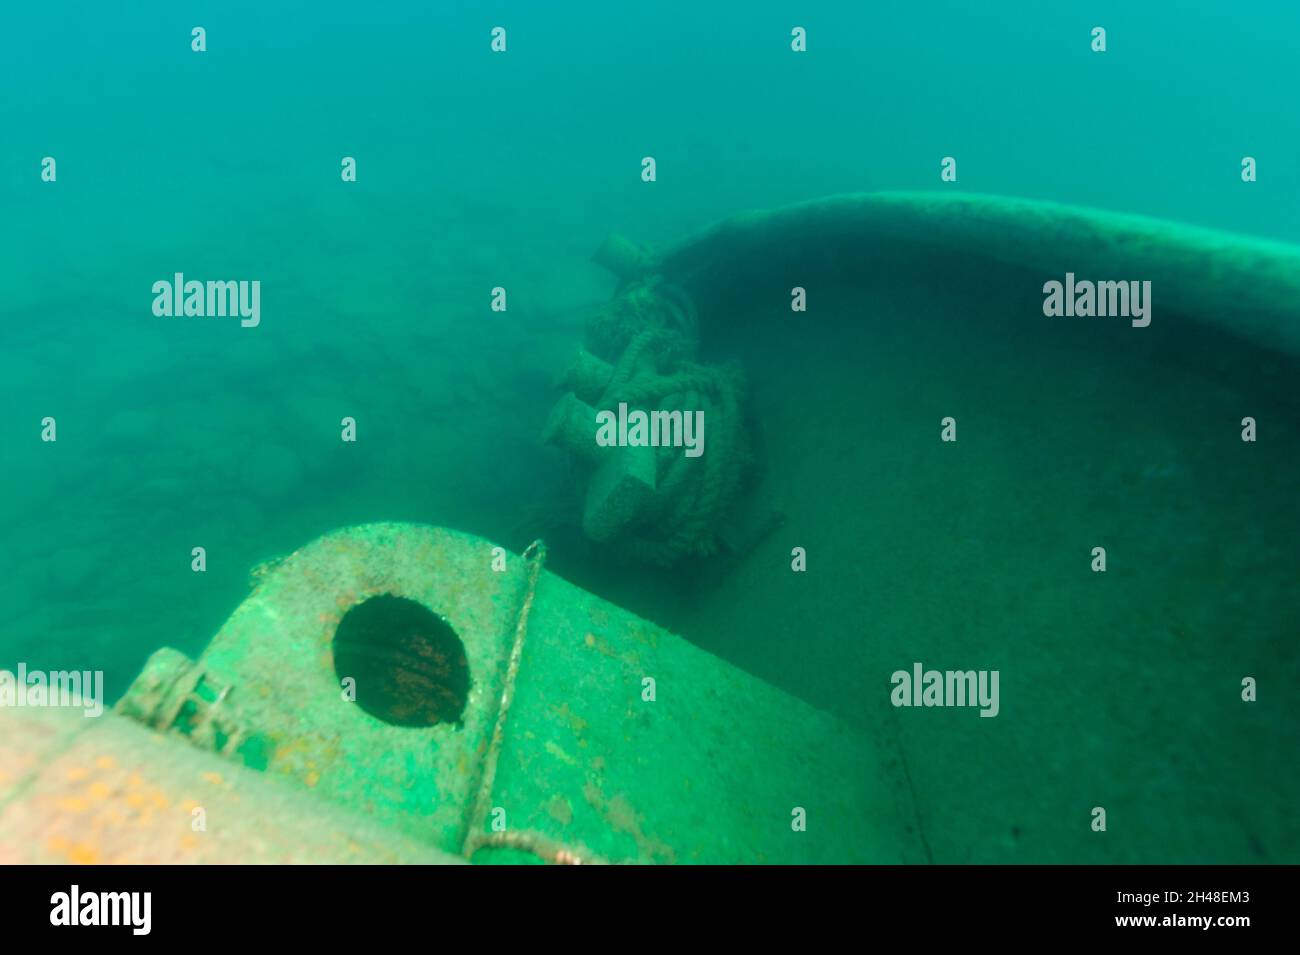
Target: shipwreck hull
(1238, 285)
(1120, 689)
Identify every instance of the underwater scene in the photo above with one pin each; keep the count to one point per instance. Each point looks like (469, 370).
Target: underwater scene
(731, 433)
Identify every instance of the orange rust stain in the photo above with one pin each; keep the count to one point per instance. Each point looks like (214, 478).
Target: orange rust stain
(111, 817)
(560, 810)
(572, 719)
(645, 636)
(135, 800)
(106, 762)
(555, 750)
(214, 778)
(99, 791)
(601, 646)
(78, 773)
(58, 844)
(83, 854)
(622, 816)
(73, 804)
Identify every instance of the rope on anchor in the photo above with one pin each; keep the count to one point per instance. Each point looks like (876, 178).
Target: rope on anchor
(694, 496)
(641, 352)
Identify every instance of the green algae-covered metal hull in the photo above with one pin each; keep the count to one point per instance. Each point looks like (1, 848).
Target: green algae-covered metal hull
(587, 733)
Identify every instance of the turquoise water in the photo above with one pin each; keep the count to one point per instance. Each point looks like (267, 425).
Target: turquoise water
(477, 170)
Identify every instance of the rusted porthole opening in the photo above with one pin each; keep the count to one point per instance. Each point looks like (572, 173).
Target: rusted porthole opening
(408, 663)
